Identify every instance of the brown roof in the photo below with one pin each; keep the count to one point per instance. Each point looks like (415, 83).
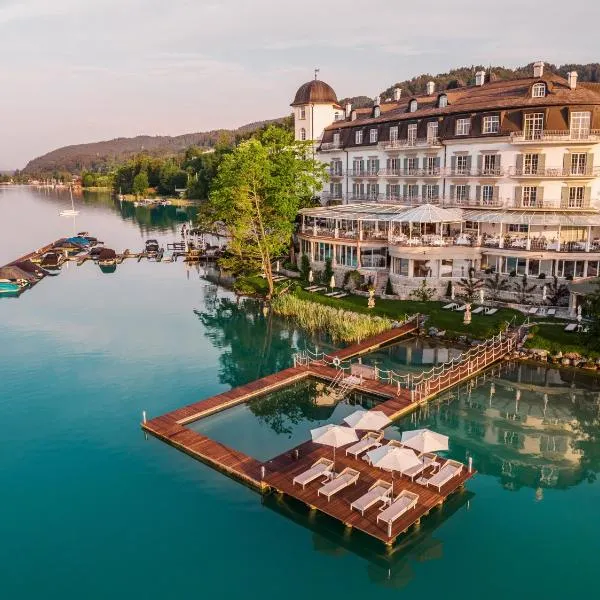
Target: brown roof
(315, 92)
(494, 95)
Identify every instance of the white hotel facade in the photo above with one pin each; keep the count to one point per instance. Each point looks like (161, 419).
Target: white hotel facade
(499, 175)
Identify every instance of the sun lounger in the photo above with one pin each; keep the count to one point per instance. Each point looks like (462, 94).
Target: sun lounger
(380, 491)
(551, 312)
(318, 289)
(341, 295)
(322, 467)
(533, 310)
(330, 294)
(450, 306)
(450, 469)
(478, 310)
(310, 288)
(404, 502)
(461, 308)
(571, 327)
(491, 311)
(367, 442)
(416, 470)
(347, 477)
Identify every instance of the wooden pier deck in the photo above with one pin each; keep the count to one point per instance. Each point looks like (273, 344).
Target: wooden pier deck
(280, 472)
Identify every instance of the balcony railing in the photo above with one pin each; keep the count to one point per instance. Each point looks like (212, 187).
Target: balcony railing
(330, 146)
(552, 203)
(364, 172)
(335, 172)
(558, 172)
(429, 142)
(554, 136)
(428, 172)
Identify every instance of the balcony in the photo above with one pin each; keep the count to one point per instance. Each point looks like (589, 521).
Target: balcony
(551, 203)
(411, 143)
(364, 173)
(550, 136)
(335, 173)
(330, 146)
(556, 172)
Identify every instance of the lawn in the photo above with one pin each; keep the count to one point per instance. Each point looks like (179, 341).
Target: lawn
(553, 337)
(481, 326)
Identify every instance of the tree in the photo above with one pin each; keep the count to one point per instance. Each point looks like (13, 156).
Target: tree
(557, 292)
(327, 271)
(140, 184)
(524, 290)
(592, 309)
(423, 293)
(257, 193)
(470, 286)
(496, 285)
(304, 266)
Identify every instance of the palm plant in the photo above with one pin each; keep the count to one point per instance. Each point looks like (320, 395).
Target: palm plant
(470, 286)
(496, 285)
(556, 292)
(524, 290)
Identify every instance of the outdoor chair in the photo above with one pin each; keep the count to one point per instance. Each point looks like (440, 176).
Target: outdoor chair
(341, 481)
(380, 491)
(403, 502)
(449, 470)
(368, 441)
(322, 467)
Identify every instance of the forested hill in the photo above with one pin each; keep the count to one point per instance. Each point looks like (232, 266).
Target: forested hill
(101, 156)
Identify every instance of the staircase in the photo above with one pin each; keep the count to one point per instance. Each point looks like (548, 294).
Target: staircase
(381, 283)
(341, 385)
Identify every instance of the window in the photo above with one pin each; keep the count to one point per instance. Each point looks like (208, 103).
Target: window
(529, 195)
(412, 191)
(412, 165)
(446, 267)
(346, 256)
(491, 164)
(338, 116)
(538, 90)
(432, 132)
(307, 247)
(470, 225)
(576, 195)
(412, 106)
(393, 191)
(534, 126)
(323, 251)
(530, 164)
(578, 160)
(302, 133)
(358, 136)
(491, 124)
(335, 167)
(336, 139)
(442, 101)
(358, 190)
(580, 125)
(372, 166)
(487, 194)
(518, 228)
(393, 166)
(431, 165)
(372, 191)
(411, 135)
(463, 126)
(394, 134)
(431, 191)
(461, 193)
(302, 112)
(335, 190)
(358, 166)
(462, 164)
(400, 266)
(373, 136)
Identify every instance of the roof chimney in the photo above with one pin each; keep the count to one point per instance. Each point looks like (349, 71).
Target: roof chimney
(572, 79)
(353, 115)
(538, 69)
(348, 109)
(430, 88)
(377, 101)
(397, 94)
(480, 78)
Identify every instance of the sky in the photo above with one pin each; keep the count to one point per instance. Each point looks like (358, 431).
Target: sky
(75, 71)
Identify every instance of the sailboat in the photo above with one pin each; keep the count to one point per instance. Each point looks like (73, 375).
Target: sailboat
(70, 212)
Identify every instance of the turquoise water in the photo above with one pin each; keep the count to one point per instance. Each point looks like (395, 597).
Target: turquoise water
(92, 509)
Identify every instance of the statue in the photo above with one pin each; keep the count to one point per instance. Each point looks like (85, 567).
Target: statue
(371, 302)
(467, 319)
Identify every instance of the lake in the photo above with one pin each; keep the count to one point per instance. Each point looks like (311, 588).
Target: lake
(91, 508)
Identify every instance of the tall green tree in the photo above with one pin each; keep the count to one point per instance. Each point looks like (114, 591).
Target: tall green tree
(592, 309)
(257, 193)
(140, 184)
(470, 286)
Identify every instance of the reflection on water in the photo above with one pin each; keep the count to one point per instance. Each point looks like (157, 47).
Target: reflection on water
(528, 426)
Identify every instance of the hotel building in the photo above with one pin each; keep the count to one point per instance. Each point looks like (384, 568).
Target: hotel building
(498, 175)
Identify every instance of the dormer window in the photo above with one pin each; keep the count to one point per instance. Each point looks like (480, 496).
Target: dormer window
(376, 112)
(302, 112)
(358, 136)
(442, 101)
(412, 106)
(538, 90)
(373, 136)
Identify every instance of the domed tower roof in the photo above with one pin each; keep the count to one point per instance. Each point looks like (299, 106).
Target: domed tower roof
(315, 92)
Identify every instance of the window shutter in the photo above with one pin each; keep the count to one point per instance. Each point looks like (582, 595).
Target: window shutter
(566, 162)
(387, 190)
(496, 193)
(377, 165)
(452, 188)
(469, 162)
(404, 190)
(519, 163)
(423, 191)
(377, 189)
(541, 164)
(540, 196)
(453, 164)
(467, 192)
(438, 163)
(589, 163)
(388, 163)
(518, 195)
(564, 197)
(415, 189)
(498, 162)
(405, 165)
(478, 193)
(587, 196)
(417, 162)
(479, 162)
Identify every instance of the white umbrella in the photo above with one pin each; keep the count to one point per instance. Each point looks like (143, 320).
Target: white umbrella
(452, 294)
(481, 296)
(277, 267)
(333, 435)
(544, 293)
(373, 420)
(332, 282)
(424, 440)
(310, 276)
(393, 458)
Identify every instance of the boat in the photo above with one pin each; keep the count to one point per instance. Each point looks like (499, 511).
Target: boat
(52, 260)
(107, 257)
(9, 287)
(70, 212)
(152, 247)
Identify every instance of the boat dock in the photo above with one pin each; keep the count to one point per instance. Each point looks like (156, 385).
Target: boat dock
(278, 473)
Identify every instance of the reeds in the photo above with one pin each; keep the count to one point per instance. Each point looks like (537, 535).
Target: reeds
(342, 325)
